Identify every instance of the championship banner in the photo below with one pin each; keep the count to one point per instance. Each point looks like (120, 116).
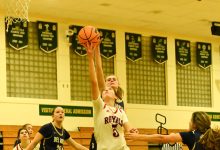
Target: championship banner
(47, 36)
(17, 35)
(133, 46)
(107, 46)
(204, 54)
(79, 49)
(159, 48)
(183, 55)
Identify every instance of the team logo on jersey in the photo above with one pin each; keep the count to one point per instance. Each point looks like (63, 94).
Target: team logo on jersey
(114, 121)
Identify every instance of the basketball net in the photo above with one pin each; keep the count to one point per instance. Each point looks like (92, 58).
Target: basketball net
(16, 11)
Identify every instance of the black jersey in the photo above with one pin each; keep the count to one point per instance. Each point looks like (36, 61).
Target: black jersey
(191, 139)
(53, 137)
(120, 103)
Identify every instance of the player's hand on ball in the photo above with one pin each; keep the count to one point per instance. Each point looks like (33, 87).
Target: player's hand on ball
(90, 49)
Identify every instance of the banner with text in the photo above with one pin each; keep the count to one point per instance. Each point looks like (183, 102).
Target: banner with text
(79, 49)
(47, 36)
(72, 111)
(183, 56)
(204, 54)
(17, 34)
(133, 46)
(214, 116)
(159, 48)
(107, 46)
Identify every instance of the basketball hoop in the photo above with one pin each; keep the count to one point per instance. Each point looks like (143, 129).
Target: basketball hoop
(16, 11)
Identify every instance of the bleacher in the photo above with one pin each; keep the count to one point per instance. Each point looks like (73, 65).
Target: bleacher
(82, 136)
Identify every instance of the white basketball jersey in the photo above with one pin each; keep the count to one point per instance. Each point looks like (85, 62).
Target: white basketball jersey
(108, 126)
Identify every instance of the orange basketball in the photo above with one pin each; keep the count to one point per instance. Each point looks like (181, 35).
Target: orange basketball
(88, 34)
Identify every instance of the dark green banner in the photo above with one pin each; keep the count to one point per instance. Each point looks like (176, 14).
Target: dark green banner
(133, 46)
(17, 35)
(159, 48)
(72, 111)
(107, 46)
(79, 49)
(183, 56)
(47, 36)
(214, 116)
(204, 54)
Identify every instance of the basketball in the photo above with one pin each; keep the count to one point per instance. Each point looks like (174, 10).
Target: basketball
(88, 34)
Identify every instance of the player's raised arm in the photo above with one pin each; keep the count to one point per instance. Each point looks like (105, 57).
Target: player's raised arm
(99, 70)
(92, 73)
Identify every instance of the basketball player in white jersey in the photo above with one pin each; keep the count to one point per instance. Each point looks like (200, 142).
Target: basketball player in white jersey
(110, 121)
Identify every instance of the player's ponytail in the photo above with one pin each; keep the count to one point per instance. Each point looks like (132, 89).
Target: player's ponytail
(119, 93)
(211, 139)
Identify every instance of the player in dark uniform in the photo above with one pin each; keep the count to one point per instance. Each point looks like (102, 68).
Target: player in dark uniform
(110, 80)
(199, 137)
(52, 135)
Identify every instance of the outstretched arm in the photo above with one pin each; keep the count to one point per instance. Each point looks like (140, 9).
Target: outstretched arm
(129, 129)
(76, 145)
(92, 73)
(157, 138)
(99, 70)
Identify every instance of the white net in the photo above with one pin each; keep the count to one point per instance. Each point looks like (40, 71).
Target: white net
(16, 11)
